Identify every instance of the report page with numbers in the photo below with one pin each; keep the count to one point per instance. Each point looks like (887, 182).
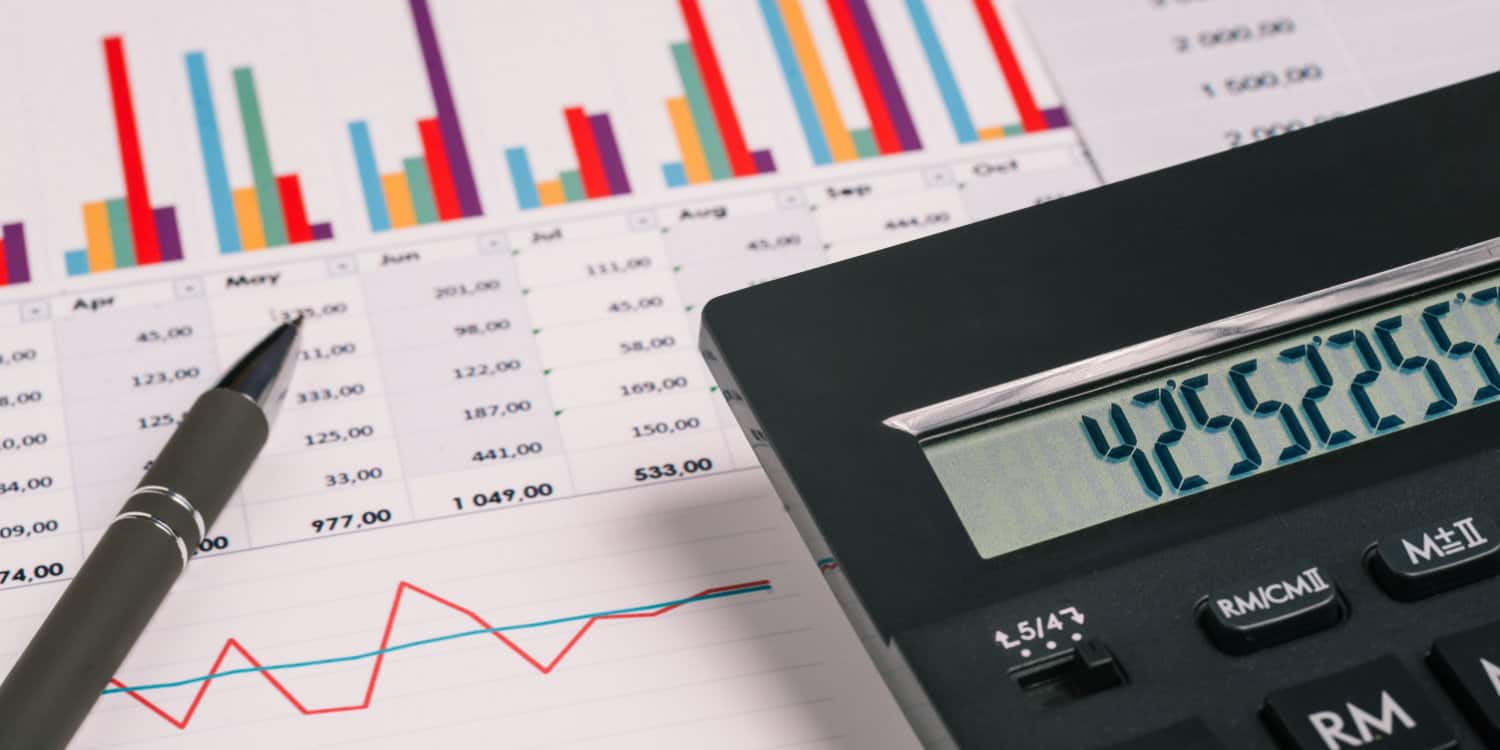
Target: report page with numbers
(1151, 83)
(504, 504)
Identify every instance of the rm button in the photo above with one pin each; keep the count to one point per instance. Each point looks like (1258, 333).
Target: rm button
(1376, 704)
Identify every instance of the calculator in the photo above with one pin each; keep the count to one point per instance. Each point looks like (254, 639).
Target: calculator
(1205, 458)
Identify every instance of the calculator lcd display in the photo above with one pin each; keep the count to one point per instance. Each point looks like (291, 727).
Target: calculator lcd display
(1194, 428)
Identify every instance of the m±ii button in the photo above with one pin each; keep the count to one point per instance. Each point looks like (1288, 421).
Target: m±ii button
(1271, 609)
(1468, 664)
(1376, 705)
(1436, 557)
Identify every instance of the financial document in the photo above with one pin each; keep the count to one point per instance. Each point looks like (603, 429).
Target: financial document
(504, 505)
(1151, 83)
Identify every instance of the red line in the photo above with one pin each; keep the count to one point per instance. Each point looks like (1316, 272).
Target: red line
(137, 197)
(293, 210)
(444, 192)
(881, 124)
(385, 642)
(1020, 91)
(740, 161)
(4, 267)
(590, 165)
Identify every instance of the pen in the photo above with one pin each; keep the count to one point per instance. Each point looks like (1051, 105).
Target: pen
(102, 612)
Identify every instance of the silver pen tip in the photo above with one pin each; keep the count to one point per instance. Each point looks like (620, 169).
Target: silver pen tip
(264, 374)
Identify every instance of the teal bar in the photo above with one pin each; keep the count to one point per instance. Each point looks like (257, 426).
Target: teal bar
(267, 195)
(420, 182)
(572, 185)
(119, 232)
(703, 113)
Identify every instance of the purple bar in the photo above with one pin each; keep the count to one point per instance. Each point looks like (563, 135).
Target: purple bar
(764, 164)
(166, 231)
(322, 231)
(447, 113)
(609, 153)
(14, 236)
(885, 77)
(1057, 117)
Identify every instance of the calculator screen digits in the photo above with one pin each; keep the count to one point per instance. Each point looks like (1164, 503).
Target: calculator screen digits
(1195, 428)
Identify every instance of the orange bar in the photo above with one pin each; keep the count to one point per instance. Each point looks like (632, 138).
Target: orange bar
(101, 249)
(694, 163)
(398, 200)
(990, 134)
(840, 143)
(551, 192)
(247, 210)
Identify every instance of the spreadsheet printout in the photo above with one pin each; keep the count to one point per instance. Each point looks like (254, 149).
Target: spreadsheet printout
(504, 503)
(1151, 83)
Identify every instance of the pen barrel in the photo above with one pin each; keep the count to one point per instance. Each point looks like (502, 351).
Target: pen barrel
(92, 628)
(88, 633)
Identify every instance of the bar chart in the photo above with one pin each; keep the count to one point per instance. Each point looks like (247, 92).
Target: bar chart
(1030, 117)
(703, 119)
(127, 231)
(437, 186)
(829, 138)
(600, 172)
(14, 266)
(271, 212)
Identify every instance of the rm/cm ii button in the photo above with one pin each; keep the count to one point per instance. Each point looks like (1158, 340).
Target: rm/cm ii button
(1271, 609)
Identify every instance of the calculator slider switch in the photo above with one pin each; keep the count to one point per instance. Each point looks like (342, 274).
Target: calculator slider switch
(1418, 563)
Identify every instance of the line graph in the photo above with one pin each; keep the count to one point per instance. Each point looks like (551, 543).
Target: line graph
(644, 611)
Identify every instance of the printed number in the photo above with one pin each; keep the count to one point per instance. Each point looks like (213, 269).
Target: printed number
(666, 471)
(502, 497)
(37, 573)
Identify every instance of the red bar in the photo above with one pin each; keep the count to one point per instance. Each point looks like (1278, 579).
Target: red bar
(1031, 117)
(293, 210)
(4, 267)
(137, 197)
(590, 165)
(444, 191)
(740, 161)
(881, 124)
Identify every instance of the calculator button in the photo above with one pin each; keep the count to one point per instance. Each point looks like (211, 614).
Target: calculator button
(1271, 610)
(1436, 557)
(1376, 704)
(1187, 735)
(1468, 664)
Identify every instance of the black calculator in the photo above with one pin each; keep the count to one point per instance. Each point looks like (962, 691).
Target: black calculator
(1205, 458)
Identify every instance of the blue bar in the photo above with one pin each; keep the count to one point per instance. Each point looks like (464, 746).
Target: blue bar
(963, 125)
(77, 262)
(212, 146)
(369, 176)
(520, 176)
(675, 174)
(796, 83)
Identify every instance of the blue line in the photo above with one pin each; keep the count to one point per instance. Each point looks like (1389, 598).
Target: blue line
(369, 176)
(521, 177)
(963, 125)
(674, 174)
(212, 146)
(430, 641)
(77, 262)
(796, 83)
